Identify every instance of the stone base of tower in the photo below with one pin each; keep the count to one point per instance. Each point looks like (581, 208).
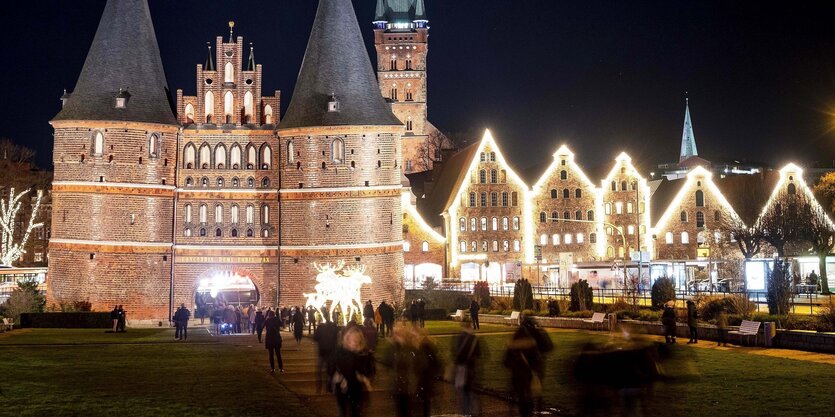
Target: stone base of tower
(140, 282)
(298, 276)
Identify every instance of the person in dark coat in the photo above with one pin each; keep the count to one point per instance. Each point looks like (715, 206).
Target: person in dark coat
(114, 317)
(272, 341)
(354, 368)
(692, 321)
(466, 352)
(259, 323)
(413, 312)
(386, 318)
(239, 316)
(668, 320)
(311, 320)
(368, 313)
(325, 337)
(474, 309)
(298, 326)
(526, 361)
(229, 319)
(422, 312)
(185, 315)
(722, 326)
(120, 323)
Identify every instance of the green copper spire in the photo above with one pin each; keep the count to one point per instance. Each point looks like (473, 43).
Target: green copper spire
(688, 139)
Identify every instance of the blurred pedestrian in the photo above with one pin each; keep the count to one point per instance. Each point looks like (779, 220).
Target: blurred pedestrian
(378, 319)
(311, 320)
(474, 309)
(369, 331)
(259, 323)
(229, 320)
(239, 315)
(413, 312)
(466, 352)
(353, 369)
(123, 318)
(368, 313)
(422, 312)
(298, 326)
(176, 319)
(722, 327)
(692, 322)
(325, 337)
(272, 341)
(525, 359)
(387, 316)
(251, 318)
(668, 320)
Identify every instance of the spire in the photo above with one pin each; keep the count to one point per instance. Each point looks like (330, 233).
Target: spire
(380, 11)
(210, 61)
(688, 140)
(250, 66)
(123, 61)
(231, 31)
(420, 11)
(336, 84)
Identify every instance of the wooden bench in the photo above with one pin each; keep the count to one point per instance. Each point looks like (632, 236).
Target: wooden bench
(514, 317)
(747, 329)
(7, 325)
(596, 318)
(460, 315)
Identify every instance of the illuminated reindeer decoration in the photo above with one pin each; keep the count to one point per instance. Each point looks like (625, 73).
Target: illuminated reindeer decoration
(342, 290)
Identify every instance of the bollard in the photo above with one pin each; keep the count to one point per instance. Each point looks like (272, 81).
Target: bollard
(613, 322)
(769, 331)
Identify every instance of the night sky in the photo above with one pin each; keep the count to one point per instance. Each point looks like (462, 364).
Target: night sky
(601, 76)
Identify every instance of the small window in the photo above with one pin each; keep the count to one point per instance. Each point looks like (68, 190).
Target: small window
(566, 193)
(494, 199)
(700, 198)
(338, 151)
(554, 193)
(484, 246)
(98, 143)
(504, 199)
(482, 177)
(234, 232)
(580, 238)
(472, 200)
(590, 215)
(484, 224)
(265, 182)
(566, 215)
(407, 246)
(424, 247)
(483, 199)
(473, 224)
(555, 239)
(792, 190)
(291, 154)
(614, 186)
(265, 214)
(668, 238)
(202, 232)
(685, 238)
(515, 223)
(563, 175)
(683, 216)
(514, 199)
(505, 223)
(592, 237)
(463, 247)
(629, 207)
(505, 245)
(462, 224)
(619, 207)
(516, 246)
(578, 193)
(494, 176)
(495, 223)
(543, 239)
(187, 232)
(700, 219)
(578, 215)
(249, 233)
(265, 233)
(717, 216)
(567, 239)
(218, 233)
(153, 145)
(542, 217)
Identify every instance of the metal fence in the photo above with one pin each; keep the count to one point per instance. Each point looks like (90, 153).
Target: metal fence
(802, 303)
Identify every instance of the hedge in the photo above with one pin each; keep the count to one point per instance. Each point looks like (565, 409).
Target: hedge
(74, 320)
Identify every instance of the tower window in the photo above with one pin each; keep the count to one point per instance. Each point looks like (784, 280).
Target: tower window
(338, 151)
(98, 143)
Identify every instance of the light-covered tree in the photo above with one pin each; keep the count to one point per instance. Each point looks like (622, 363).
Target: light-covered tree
(10, 248)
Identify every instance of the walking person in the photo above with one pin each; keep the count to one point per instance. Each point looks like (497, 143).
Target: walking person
(668, 320)
(413, 312)
(474, 309)
(465, 355)
(298, 327)
(259, 323)
(176, 319)
(325, 337)
(239, 315)
(692, 322)
(272, 341)
(311, 319)
(185, 315)
(120, 324)
(353, 369)
(114, 317)
(525, 359)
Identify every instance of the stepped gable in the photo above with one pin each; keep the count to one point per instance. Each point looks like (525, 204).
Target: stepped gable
(124, 55)
(336, 64)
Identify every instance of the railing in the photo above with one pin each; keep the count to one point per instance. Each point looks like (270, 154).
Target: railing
(802, 303)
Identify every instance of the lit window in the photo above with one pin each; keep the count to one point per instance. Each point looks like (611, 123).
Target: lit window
(98, 143)
(580, 238)
(484, 224)
(515, 223)
(555, 239)
(630, 230)
(495, 246)
(619, 208)
(473, 224)
(567, 239)
(543, 239)
(668, 238)
(505, 246)
(187, 232)
(338, 151)
(516, 246)
(495, 223)
(463, 246)
(473, 246)
(187, 215)
(234, 214)
(424, 247)
(629, 207)
(406, 246)
(608, 208)
(189, 155)
(250, 214)
(462, 224)
(265, 233)
(685, 238)
(235, 157)
(218, 213)
(204, 213)
(265, 214)
(484, 246)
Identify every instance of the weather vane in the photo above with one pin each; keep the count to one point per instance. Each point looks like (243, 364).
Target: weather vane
(231, 27)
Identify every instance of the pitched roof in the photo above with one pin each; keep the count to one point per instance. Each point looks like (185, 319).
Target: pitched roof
(336, 63)
(664, 191)
(444, 190)
(400, 10)
(124, 55)
(747, 194)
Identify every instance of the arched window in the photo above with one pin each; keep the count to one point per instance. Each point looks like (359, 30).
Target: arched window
(623, 185)
(505, 245)
(235, 157)
(792, 189)
(505, 223)
(610, 252)
(220, 182)
(516, 246)
(268, 114)
(218, 232)
(462, 224)
(515, 223)
(494, 199)
(218, 213)
(503, 176)
(463, 247)
(220, 156)
(153, 145)
(205, 156)
(291, 153)
(251, 157)
(566, 215)
(504, 199)
(484, 224)
(629, 207)
(204, 182)
(265, 214)
(555, 217)
(668, 238)
(209, 104)
(578, 215)
(98, 143)
(542, 217)
(482, 177)
(189, 113)
(266, 156)
(494, 176)
(250, 182)
(234, 214)
(236, 182)
(580, 238)
(248, 105)
(472, 200)
(683, 216)
(249, 233)
(189, 155)
(618, 207)
(566, 193)
(424, 247)
(187, 213)
(514, 199)
(187, 232)
(265, 182)
(338, 151)
(563, 175)
(228, 106)
(202, 232)
(567, 239)
(234, 232)
(495, 223)
(614, 188)
(700, 219)
(700, 198)
(717, 216)
(483, 199)
(554, 193)
(484, 246)
(407, 246)
(250, 214)
(229, 73)
(578, 193)
(590, 215)
(685, 238)
(543, 239)
(492, 157)
(204, 214)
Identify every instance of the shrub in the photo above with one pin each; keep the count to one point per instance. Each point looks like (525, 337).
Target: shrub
(522, 295)
(481, 292)
(500, 303)
(24, 299)
(436, 314)
(826, 318)
(619, 305)
(578, 314)
(649, 315)
(429, 283)
(581, 296)
(779, 284)
(447, 300)
(663, 290)
(529, 313)
(709, 306)
(801, 323)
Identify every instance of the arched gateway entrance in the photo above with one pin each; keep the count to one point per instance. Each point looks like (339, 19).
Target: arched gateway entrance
(216, 288)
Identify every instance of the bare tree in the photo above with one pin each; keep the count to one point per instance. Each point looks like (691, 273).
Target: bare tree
(821, 236)
(17, 155)
(785, 221)
(430, 150)
(747, 206)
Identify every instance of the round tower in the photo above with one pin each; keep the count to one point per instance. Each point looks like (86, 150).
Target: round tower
(339, 166)
(115, 156)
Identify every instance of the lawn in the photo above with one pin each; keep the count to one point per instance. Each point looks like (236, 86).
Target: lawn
(700, 380)
(142, 372)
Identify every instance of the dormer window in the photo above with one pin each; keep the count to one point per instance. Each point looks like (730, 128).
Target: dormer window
(122, 98)
(333, 104)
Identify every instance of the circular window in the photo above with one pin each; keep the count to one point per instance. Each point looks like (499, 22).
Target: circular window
(208, 81)
(248, 81)
(230, 54)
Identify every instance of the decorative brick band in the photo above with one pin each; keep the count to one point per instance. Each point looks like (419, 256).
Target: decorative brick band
(108, 246)
(232, 194)
(340, 130)
(112, 188)
(101, 124)
(342, 250)
(340, 193)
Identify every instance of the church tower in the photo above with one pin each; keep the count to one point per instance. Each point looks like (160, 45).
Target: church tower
(401, 37)
(688, 139)
(339, 197)
(115, 155)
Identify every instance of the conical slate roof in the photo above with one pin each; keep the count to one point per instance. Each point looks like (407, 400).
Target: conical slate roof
(124, 55)
(336, 63)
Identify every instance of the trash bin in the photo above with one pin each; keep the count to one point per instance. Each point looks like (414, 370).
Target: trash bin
(769, 331)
